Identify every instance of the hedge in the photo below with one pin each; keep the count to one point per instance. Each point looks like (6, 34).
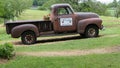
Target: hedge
(6, 51)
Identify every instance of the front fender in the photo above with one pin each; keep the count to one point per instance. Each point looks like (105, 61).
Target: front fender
(18, 30)
(82, 24)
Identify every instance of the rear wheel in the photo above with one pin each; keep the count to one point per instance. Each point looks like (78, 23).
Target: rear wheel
(28, 37)
(91, 31)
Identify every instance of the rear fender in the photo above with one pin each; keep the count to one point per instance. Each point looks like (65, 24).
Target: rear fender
(18, 30)
(82, 24)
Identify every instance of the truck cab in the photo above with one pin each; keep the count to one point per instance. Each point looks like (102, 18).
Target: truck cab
(63, 18)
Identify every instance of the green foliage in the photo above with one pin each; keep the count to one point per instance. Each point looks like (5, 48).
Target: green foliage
(113, 4)
(117, 10)
(83, 6)
(1, 20)
(6, 51)
(73, 3)
(13, 8)
(48, 4)
(93, 6)
(39, 2)
(41, 8)
(116, 6)
(1, 8)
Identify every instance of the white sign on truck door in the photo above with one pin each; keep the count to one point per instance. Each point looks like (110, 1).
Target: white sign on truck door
(66, 22)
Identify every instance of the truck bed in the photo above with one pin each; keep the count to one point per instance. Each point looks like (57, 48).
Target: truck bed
(42, 25)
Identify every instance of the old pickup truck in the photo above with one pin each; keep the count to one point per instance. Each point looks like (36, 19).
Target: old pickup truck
(63, 19)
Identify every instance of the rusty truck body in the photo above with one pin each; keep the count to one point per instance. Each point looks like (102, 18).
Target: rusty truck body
(62, 19)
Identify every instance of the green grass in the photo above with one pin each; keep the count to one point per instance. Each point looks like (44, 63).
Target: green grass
(3, 35)
(88, 61)
(73, 44)
(33, 15)
(109, 21)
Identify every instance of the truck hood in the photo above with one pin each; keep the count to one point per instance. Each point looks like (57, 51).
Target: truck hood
(85, 15)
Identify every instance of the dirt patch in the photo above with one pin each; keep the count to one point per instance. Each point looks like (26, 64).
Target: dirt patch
(114, 35)
(72, 52)
(110, 21)
(114, 25)
(2, 25)
(2, 61)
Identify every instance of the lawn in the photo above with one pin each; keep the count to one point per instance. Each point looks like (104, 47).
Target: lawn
(29, 15)
(108, 38)
(88, 61)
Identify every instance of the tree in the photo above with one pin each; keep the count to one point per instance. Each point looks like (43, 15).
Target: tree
(1, 8)
(73, 3)
(35, 2)
(116, 7)
(115, 4)
(93, 6)
(39, 2)
(13, 8)
(81, 5)
(117, 10)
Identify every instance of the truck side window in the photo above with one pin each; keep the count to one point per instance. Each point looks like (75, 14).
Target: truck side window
(64, 11)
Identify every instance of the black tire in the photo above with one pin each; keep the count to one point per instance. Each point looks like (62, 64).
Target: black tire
(28, 37)
(91, 31)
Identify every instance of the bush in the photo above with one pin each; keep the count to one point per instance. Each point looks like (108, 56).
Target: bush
(6, 51)
(42, 8)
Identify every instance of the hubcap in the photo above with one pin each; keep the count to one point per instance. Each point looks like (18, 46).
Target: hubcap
(29, 38)
(91, 32)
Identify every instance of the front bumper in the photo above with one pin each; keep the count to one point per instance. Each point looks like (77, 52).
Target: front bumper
(102, 27)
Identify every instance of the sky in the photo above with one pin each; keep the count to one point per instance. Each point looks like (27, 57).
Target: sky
(105, 1)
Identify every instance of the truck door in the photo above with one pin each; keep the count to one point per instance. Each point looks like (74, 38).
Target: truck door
(65, 20)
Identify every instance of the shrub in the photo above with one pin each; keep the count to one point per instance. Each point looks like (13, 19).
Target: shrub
(42, 8)
(6, 51)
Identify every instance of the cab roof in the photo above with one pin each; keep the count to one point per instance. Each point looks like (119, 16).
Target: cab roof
(60, 5)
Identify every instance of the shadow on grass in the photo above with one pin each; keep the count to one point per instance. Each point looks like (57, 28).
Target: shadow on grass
(55, 40)
(59, 39)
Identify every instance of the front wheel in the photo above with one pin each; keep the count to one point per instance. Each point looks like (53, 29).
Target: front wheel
(28, 37)
(91, 31)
